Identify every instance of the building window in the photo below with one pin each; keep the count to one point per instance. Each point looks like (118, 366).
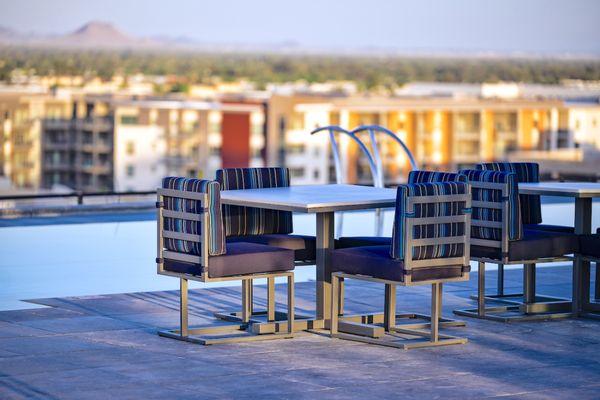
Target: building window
(297, 172)
(129, 119)
(130, 148)
(130, 170)
(296, 148)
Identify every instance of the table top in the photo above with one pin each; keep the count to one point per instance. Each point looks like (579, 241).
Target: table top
(312, 198)
(563, 189)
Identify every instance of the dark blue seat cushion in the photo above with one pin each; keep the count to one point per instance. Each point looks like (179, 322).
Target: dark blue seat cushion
(590, 245)
(304, 246)
(375, 261)
(534, 245)
(357, 241)
(550, 228)
(241, 259)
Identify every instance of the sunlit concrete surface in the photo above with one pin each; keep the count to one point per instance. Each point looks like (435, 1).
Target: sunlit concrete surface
(101, 347)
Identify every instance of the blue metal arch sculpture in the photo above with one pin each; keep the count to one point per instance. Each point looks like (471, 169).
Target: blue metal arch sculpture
(372, 130)
(339, 175)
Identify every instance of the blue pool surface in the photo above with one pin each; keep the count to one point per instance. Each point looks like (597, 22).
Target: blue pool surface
(100, 255)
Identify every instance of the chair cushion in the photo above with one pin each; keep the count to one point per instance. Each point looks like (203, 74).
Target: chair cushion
(357, 241)
(375, 261)
(533, 245)
(417, 176)
(216, 237)
(515, 225)
(550, 228)
(531, 209)
(304, 246)
(242, 221)
(241, 259)
(402, 213)
(590, 245)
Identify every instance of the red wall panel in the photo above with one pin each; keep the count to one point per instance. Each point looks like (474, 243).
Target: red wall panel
(235, 132)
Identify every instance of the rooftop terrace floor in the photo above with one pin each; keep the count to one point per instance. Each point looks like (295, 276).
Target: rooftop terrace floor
(106, 347)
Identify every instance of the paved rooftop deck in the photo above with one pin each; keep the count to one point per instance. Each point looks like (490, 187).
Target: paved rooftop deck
(106, 347)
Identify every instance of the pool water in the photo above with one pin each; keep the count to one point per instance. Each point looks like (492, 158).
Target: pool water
(118, 257)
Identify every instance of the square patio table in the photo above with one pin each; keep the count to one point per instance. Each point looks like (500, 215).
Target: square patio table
(324, 201)
(583, 193)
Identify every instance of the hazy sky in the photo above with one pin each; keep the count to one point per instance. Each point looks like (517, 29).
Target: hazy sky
(540, 26)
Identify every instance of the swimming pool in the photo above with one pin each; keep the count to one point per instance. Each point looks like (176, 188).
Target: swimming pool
(117, 257)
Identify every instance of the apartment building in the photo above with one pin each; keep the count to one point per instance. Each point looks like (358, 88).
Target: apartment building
(154, 138)
(21, 127)
(77, 152)
(442, 132)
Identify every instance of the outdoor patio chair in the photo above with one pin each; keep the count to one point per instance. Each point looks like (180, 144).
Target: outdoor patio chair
(498, 237)
(261, 225)
(191, 246)
(531, 211)
(414, 176)
(430, 246)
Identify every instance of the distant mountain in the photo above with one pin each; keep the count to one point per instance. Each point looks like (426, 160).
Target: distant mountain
(97, 34)
(94, 34)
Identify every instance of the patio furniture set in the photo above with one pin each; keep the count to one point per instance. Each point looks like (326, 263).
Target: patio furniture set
(239, 227)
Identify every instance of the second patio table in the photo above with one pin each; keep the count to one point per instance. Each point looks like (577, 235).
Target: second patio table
(583, 193)
(324, 201)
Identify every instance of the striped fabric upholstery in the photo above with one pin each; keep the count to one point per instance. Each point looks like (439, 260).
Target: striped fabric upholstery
(399, 234)
(242, 221)
(515, 225)
(434, 176)
(216, 237)
(531, 209)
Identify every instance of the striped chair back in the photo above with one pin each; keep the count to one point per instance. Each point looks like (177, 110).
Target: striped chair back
(496, 216)
(417, 176)
(186, 205)
(242, 221)
(531, 209)
(431, 224)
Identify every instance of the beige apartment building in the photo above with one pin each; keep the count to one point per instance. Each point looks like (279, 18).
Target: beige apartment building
(443, 133)
(154, 138)
(21, 126)
(128, 143)
(124, 143)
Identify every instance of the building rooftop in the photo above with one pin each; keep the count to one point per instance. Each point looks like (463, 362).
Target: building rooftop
(107, 347)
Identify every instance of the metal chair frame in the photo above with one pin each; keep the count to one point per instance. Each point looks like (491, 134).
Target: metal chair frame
(591, 309)
(532, 307)
(388, 332)
(207, 335)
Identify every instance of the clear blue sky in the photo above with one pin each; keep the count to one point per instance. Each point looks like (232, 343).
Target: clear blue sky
(541, 26)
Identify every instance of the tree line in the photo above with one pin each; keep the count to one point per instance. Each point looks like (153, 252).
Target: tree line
(369, 72)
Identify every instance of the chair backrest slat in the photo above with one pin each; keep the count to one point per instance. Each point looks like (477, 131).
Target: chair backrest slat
(242, 221)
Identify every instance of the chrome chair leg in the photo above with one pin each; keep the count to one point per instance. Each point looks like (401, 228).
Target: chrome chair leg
(403, 336)
(500, 283)
(183, 307)
(233, 333)
(389, 314)
(335, 305)
(597, 283)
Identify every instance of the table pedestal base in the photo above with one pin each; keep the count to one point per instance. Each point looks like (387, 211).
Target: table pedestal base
(368, 325)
